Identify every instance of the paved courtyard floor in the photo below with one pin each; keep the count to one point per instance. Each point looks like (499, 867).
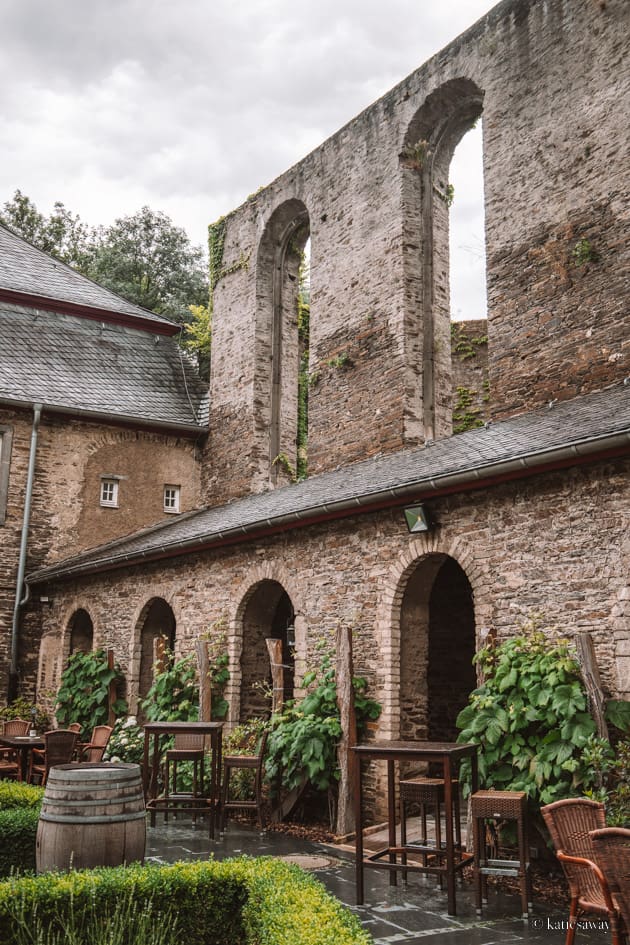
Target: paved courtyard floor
(414, 914)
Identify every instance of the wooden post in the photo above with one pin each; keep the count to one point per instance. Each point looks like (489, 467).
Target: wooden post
(159, 655)
(347, 759)
(274, 648)
(592, 681)
(111, 691)
(205, 684)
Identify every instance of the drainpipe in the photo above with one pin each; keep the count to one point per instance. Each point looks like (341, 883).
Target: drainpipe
(19, 600)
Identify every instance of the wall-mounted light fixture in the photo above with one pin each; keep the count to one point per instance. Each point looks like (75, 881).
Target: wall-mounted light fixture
(417, 519)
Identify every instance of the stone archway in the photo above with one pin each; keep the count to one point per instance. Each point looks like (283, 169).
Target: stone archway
(156, 620)
(268, 612)
(81, 632)
(437, 645)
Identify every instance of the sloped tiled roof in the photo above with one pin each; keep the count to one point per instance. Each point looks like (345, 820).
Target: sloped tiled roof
(567, 431)
(78, 365)
(28, 270)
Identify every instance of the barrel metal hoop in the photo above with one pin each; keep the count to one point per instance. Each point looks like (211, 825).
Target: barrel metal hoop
(123, 818)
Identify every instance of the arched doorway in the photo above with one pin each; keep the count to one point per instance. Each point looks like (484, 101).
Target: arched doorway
(268, 613)
(437, 646)
(157, 620)
(81, 632)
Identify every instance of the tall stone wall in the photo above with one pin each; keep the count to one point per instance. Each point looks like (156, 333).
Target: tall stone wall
(66, 515)
(549, 81)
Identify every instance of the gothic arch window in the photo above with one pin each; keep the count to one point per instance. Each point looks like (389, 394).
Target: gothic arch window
(282, 340)
(432, 136)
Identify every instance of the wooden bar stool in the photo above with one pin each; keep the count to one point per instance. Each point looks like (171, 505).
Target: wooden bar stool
(428, 793)
(500, 805)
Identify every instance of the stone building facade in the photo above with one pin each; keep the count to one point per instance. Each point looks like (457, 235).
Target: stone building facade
(528, 512)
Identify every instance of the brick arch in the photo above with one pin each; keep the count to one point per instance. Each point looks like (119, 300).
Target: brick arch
(256, 576)
(156, 592)
(390, 610)
(430, 139)
(277, 353)
(54, 647)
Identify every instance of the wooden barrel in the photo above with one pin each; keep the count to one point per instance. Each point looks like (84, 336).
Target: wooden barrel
(92, 815)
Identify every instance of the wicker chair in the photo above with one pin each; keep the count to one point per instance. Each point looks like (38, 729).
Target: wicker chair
(570, 822)
(188, 746)
(612, 849)
(60, 745)
(10, 766)
(95, 748)
(248, 762)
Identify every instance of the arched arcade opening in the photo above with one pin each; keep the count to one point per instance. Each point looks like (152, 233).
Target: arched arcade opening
(268, 614)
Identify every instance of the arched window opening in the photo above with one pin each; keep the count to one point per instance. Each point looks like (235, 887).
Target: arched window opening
(428, 192)
(437, 646)
(81, 632)
(157, 621)
(269, 614)
(283, 338)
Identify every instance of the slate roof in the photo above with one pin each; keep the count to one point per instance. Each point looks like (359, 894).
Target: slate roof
(582, 426)
(78, 365)
(26, 269)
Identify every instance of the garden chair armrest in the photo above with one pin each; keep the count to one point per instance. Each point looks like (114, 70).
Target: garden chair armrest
(582, 861)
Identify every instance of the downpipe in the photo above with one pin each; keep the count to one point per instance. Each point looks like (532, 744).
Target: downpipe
(20, 600)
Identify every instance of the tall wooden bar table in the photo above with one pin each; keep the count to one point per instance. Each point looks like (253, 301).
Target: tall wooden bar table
(449, 860)
(151, 765)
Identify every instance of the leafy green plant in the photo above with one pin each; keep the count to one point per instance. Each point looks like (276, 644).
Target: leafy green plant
(304, 736)
(611, 770)
(84, 691)
(340, 361)
(15, 795)
(18, 829)
(21, 708)
(584, 253)
(174, 695)
(530, 719)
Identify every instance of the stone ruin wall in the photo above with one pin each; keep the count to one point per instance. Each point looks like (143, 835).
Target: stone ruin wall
(548, 78)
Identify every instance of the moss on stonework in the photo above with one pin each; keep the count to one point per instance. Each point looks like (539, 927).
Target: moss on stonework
(465, 346)
(465, 415)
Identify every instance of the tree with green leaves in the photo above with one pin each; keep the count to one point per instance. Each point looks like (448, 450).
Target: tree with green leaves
(144, 257)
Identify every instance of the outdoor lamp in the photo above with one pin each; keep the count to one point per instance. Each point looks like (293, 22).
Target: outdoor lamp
(417, 519)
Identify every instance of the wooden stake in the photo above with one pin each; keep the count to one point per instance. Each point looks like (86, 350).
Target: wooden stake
(592, 681)
(347, 759)
(274, 648)
(205, 683)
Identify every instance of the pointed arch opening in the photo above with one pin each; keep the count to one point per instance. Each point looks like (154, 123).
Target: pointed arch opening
(268, 614)
(437, 646)
(282, 340)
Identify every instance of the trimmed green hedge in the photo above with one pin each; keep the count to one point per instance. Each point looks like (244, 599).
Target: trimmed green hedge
(15, 794)
(19, 814)
(18, 835)
(234, 902)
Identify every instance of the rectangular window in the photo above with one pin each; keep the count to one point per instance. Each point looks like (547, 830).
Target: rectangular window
(109, 493)
(171, 498)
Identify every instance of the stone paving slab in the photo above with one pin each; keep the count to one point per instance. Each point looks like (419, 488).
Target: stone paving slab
(412, 914)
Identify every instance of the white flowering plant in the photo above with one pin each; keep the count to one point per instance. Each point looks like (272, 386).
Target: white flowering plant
(126, 743)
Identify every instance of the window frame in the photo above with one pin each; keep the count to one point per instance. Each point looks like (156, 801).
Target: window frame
(6, 442)
(176, 498)
(107, 481)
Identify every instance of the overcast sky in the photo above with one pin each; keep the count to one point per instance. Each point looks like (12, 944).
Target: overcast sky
(188, 106)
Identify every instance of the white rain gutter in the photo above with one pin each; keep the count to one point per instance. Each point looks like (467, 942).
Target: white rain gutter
(19, 584)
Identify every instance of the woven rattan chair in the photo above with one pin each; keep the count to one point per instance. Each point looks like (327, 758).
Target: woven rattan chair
(59, 750)
(10, 766)
(612, 849)
(570, 822)
(244, 762)
(188, 746)
(95, 748)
